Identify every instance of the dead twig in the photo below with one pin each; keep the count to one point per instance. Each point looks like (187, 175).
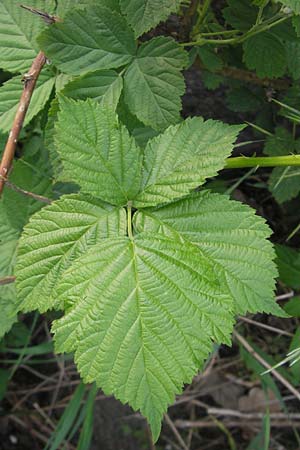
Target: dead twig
(175, 432)
(265, 326)
(7, 280)
(29, 79)
(39, 198)
(265, 364)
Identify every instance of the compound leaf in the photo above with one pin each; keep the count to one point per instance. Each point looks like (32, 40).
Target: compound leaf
(10, 94)
(183, 157)
(145, 14)
(153, 82)
(54, 238)
(18, 32)
(141, 318)
(266, 54)
(231, 236)
(95, 38)
(97, 151)
(104, 86)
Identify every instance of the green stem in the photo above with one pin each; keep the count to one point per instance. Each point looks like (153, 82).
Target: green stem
(240, 162)
(259, 28)
(129, 220)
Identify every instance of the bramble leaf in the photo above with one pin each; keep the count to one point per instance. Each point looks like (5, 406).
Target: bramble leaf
(141, 318)
(10, 94)
(18, 32)
(153, 82)
(145, 14)
(97, 152)
(15, 210)
(105, 86)
(266, 54)
(231, 236)
(183, 157)
(293, 4)
(88, 40)
(284, 182)
(288, 261)
(54, 238)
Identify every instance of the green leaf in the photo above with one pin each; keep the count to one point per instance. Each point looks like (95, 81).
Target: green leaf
(243, 99)
(54, 238)
(18, 31)
(210, 59)
(211, 80)
(293, 58)
(288, 262)
(231, 236)
(97, 151)
(284, 182)
(104, 86)
(240, 14)
(265, 54)
(10, 93)
(183, 157)
(15, 209)
(296, 24)
(154, 84)
(64, 6)
(292, 307)
(145, 14)
(142, 318)
(293, 4)
(95, 38)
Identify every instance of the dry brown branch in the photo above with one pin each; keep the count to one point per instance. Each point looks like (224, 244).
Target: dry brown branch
(265, 364)
(265, 326)
(175, 432)
(29, 79)
(39, 198)
(7, 280)
(248, 77)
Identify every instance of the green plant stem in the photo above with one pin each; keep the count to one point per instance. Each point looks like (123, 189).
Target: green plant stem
(259, 28)
(129, 220)
(240, 162)
(204, 9)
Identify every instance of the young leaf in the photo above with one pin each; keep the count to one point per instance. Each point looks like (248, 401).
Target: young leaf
(18, 32)
(97, 151)
(145, 14)
(104, 86)
(153, 82)
(95, 38)
(142, 318)
(54, 238)
(10, 94)
(266, 54)
(231, 236)
(182, 158)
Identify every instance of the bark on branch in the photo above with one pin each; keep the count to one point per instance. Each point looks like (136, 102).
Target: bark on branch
(29, 80)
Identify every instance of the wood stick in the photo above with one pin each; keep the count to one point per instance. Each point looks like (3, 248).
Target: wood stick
(29, 80)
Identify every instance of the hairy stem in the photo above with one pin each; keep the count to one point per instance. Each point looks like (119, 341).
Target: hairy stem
(240, 162)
